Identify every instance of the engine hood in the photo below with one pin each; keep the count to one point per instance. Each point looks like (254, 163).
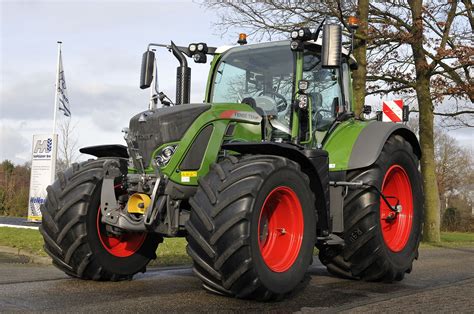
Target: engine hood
(152, 128)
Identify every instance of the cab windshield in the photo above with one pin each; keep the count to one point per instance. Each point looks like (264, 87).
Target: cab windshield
(261, 76)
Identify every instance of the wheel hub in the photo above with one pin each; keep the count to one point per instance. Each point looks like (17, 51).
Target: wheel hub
(396, 226)
(280, 229)
(123, 245)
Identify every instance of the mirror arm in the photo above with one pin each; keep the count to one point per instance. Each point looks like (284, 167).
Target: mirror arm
(318, 30)
(352, 43)
(185, 50)
(154, 92)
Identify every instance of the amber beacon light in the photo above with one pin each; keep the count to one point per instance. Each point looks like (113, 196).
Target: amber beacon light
(242, 39)
(353, 22)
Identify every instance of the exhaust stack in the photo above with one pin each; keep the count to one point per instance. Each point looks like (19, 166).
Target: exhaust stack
(183, 77)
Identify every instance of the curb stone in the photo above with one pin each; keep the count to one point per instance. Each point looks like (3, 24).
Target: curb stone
(32, 258)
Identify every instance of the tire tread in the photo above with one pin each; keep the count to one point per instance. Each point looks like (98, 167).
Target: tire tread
(63, 223)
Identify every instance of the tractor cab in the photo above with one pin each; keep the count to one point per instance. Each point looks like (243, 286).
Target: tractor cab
(264, 76)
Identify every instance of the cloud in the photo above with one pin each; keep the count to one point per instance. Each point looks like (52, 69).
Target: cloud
(103, 43)
(13, 145)
(30, 96)
(464, 136)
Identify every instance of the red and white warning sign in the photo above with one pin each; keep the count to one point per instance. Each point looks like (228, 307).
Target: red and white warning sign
(392, 110)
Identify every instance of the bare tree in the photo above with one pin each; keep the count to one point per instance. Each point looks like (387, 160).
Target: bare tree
(68, 145)
(420, 51)
(454, 167)
(403, 34)
(14, 188)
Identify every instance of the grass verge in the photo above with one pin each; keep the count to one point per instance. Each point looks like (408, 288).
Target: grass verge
(453, 239)
(173, 250)
(24, 239)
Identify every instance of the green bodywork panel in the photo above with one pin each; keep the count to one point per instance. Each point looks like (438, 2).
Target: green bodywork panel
(217, 116)
(340, 142)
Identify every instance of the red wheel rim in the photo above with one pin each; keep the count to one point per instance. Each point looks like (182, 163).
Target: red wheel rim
(280, 229)
(119, 246)
(396, 232)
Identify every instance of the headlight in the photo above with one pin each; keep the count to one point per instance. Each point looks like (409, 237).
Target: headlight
(164, 156)
(168, 152)
(303, 101)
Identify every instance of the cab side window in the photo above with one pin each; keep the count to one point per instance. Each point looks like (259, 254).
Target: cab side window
(324, 90)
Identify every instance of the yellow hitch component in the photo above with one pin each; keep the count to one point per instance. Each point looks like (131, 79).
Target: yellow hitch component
(138, 203)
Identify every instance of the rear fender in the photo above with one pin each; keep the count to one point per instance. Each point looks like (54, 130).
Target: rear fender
(371, 140)
(357, 144)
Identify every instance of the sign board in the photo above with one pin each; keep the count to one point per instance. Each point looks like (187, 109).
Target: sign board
(392, 110)
(43, 169)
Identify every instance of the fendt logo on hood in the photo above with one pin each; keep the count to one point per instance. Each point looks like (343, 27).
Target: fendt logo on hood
(246, 116)
(43, 149)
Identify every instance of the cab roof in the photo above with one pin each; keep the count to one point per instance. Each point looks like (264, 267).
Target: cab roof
(318, 42)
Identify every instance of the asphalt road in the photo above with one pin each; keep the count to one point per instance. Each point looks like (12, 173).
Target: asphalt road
(441, 281)
(17, 222)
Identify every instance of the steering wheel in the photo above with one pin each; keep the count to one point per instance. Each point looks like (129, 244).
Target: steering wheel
(323, 110)
(321, 123)
(281, 102)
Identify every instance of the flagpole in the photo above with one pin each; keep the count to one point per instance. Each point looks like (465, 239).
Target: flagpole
(56, 89)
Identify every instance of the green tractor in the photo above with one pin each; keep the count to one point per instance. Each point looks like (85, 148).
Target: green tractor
(273, 164)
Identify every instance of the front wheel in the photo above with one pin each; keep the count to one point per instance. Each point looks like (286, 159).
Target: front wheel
(75, 237)
(252, 229)
(380, 244)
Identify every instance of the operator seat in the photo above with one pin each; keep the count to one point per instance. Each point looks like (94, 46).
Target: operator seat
(266, 127)
(252, 103)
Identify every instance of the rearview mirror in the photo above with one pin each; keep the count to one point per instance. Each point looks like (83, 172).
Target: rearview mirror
(148, 63)
(332, 46)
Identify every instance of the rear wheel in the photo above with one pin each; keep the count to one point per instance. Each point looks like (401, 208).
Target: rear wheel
(380, 244)
(75, 237)
(252, 228)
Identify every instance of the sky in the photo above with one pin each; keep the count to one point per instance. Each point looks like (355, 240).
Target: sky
(102, 46)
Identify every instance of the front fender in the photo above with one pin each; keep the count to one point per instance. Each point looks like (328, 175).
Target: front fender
(111, 150)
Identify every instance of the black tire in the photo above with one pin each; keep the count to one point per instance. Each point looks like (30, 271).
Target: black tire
(365, 254)
(223, 229)
(70, 228)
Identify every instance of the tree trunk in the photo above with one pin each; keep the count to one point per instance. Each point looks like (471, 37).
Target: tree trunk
(360, 54)
(431, 231)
